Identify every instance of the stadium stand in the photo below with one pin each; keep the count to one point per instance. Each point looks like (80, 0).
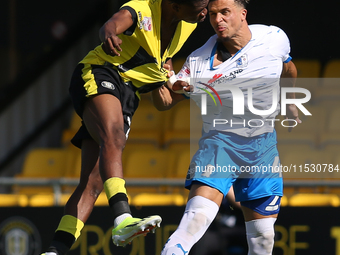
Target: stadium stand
(314, 200)
(147, 124)
(161, 144)
(184, 124)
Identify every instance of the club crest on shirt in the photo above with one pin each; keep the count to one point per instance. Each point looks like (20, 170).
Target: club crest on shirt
(242, 61)
(147, 23)
(108, 85)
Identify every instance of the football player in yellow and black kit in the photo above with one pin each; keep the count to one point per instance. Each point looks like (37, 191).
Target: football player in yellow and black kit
(137, 42)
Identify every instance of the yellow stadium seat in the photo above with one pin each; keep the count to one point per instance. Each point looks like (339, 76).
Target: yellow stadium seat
(73, 163)
(102, 200)
(184, 123)
(308, 164)
(49, 163)
(331, 135)
(42, 200)
(42, 163)
(287, 148)
(147, 124)
(330, 82)
(72, 129)
(184, 153)
(284, 200)
(147, 199)
(136, 147)
(182, 164)
(308, 74)
(148, 164)
(8, 200)
(332, 69)
(314, 200)
(308, 131)
(308, 68)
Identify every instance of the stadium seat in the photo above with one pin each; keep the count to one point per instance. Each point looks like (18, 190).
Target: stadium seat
(147, 124)
(284, 200)
(42, 163)
(136, 147)
(330, 90)
(308, 74)
(296, 164)
(72, 129)
(308, 68)
(308, 131)
(287, 148)
(148, 164)
(42, 200)
(184, 125)
(314, 200)
(147, 199)
(331, 135)
(8, 200)
(332, 69)
(45, 162)
(73, 163)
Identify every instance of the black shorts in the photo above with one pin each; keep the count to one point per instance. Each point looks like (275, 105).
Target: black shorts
(91, 80)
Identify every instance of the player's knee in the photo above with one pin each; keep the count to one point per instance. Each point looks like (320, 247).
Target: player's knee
(260, 236)
(115, 139)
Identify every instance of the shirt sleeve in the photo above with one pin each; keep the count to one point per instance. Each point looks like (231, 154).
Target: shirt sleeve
(131, 29)
(185, 70)
(280, 45)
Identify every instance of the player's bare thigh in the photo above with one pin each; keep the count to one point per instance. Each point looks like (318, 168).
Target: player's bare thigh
(103, 117)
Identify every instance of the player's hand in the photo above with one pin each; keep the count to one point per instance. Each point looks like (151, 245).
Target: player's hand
(178, 86)
(111, 45)
(168, 68)
(292, 112)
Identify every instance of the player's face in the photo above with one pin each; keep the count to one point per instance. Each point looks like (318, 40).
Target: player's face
(226, 17)
(195, 12)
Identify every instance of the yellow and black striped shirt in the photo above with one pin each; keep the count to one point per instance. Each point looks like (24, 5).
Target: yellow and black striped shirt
(140, 60)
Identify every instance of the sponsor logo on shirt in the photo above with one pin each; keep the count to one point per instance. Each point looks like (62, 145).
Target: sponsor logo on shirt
(147, 23)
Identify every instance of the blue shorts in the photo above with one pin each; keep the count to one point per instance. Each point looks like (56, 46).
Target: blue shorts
(264, 206)
(250, 164)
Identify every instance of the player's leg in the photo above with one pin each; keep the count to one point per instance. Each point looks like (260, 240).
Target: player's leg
(104, 120)
(201, 209)
(260, 216)
(80, 204)
(260, 212)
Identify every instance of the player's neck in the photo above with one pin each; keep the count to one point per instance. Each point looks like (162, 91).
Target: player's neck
(168, 16)
(237, 42)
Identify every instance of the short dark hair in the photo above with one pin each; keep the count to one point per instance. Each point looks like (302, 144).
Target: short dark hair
(242, 3)
(185, 1)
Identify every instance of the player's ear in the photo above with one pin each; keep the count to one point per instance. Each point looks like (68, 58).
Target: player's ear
(175, 7)
(244, 14)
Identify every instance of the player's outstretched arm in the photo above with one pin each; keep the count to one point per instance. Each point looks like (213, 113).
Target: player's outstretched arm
(164, 99)
(108, 33)
(289, 75)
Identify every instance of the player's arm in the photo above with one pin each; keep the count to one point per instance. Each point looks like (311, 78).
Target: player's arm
(108, 33)
(164, 97)
(289, 75)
